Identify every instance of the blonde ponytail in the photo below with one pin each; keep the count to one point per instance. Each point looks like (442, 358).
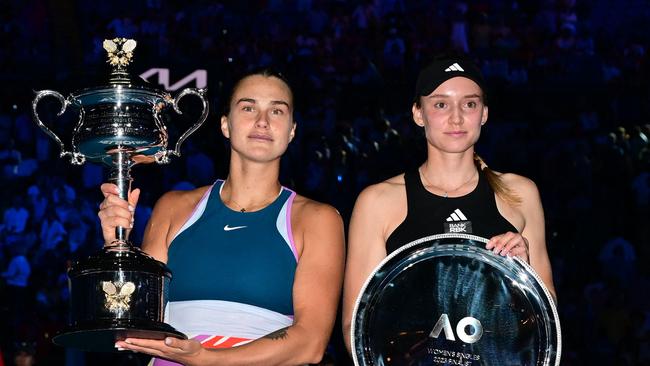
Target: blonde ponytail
(496, 183)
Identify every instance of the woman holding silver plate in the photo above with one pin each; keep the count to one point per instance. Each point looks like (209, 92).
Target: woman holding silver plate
(453, 191)
(257, 269)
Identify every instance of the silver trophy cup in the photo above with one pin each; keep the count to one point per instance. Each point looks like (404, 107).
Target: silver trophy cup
(120, 292)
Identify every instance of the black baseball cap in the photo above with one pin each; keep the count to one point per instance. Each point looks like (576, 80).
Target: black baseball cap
(444, 68)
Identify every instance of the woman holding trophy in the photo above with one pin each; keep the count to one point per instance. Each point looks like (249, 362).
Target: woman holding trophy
(257, 269)
(452, 192)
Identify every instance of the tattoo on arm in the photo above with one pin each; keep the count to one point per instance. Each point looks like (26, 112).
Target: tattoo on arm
(278, 334)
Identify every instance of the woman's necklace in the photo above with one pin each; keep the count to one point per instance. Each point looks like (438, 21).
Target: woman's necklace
(446, 192)
(241, 208)
(263, 204)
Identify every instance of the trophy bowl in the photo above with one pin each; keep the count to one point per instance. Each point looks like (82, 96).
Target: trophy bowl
(446, 300)
(121, 115)
(121, 291)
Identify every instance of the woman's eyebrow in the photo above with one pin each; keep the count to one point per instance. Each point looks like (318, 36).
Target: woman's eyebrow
(273, 102)
(280, 102)
(472, 96)
(448, 96)
(249, 100)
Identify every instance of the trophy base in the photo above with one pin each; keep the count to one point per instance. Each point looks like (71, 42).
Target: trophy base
(100, 336)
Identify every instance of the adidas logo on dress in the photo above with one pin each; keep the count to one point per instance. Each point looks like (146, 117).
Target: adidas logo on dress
(454, 67)
(457, 215)
(457, 222)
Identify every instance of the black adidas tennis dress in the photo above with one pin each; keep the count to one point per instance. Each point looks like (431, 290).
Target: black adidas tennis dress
(475, 213)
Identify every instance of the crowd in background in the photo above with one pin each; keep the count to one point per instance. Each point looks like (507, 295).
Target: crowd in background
(569, 106)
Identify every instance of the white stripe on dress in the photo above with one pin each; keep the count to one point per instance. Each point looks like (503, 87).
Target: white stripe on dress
(225, 318)
(196, 214)
(283, 224)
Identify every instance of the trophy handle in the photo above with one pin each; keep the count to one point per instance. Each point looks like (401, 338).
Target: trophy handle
(75, 157)
(200, 93)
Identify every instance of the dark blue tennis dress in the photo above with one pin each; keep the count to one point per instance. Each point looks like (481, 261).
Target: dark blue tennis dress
(232, 272)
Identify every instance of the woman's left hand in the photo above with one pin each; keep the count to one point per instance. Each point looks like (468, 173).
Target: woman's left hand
(509, 244)
(185, 351)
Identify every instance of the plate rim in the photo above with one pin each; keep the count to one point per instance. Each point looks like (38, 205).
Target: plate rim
(527, 267)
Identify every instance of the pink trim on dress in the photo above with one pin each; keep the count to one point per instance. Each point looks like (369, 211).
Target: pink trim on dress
(288, 219)
(207, 193)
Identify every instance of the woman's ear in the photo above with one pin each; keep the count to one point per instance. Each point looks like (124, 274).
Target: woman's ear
(292, 133)
(225, 129)
(484, 118)
(417, 115)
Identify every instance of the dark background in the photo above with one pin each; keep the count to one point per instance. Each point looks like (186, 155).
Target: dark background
(569, 102)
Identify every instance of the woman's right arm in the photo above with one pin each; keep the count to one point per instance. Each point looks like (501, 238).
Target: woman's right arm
(366, 249)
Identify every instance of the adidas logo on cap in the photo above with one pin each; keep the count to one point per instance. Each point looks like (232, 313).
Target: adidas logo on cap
(454, 67)
(444, 68)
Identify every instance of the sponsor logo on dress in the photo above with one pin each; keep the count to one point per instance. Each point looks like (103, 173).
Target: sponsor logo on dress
(231, 228)
(457, 222)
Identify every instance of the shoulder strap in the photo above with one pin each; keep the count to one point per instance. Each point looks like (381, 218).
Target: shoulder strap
(412, 183)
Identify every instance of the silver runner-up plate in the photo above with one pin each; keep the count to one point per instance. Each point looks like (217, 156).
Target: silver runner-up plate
(446, 300)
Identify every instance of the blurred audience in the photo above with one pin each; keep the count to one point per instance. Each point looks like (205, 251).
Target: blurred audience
(569, 80)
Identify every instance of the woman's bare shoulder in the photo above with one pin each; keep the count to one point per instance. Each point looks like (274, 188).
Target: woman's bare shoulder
(519, 184)
(388, 190)
(315, 224)
(178, 201)
(307, 209)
